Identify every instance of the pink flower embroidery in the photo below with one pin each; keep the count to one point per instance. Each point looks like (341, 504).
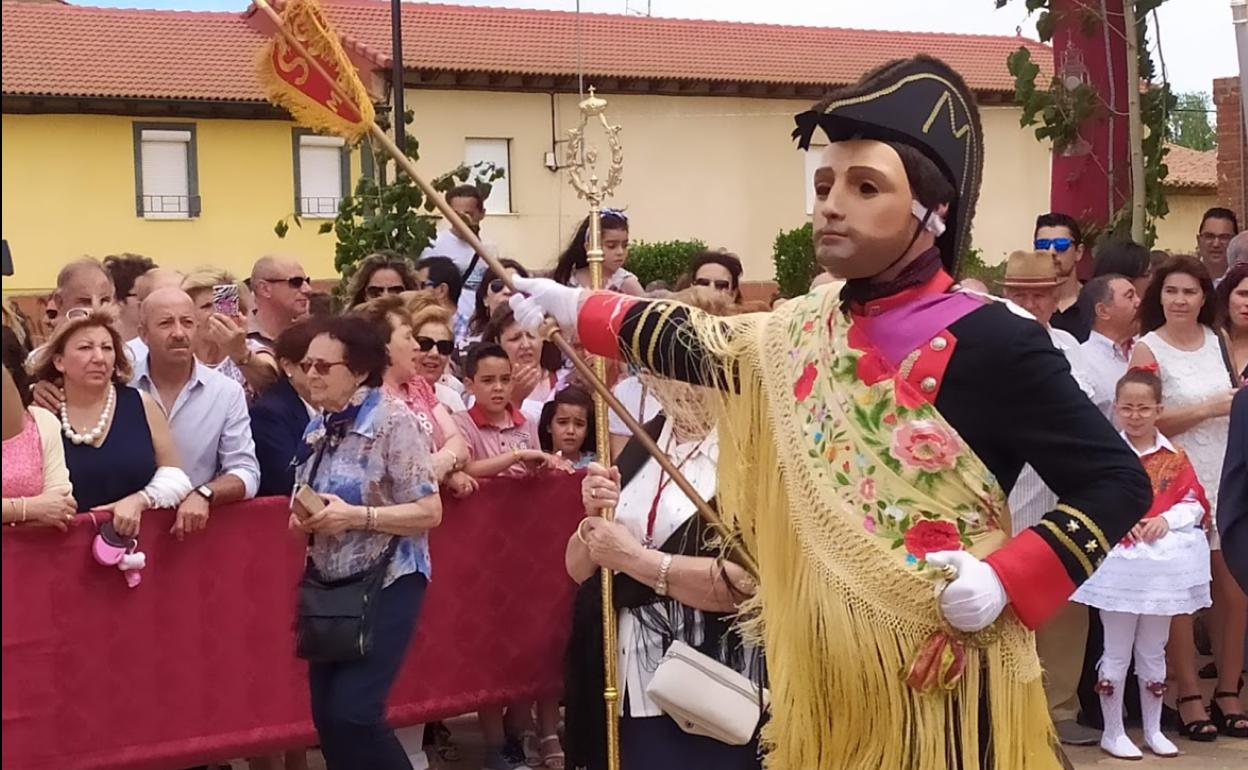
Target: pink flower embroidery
(866, 490)
(868, 524)
(805, 383)
(929, 536)
(925, 445)
(808, 327)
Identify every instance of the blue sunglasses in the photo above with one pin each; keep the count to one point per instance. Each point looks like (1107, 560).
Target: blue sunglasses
(1057, 244)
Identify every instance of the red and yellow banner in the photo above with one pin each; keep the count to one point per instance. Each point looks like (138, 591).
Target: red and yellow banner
(305, 70)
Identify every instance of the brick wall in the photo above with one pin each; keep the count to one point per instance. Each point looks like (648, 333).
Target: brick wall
(1232, 150)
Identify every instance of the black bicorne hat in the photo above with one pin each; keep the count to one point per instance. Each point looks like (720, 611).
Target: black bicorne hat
(921, 102)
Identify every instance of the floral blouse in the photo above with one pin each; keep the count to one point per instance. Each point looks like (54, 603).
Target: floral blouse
(375, 453)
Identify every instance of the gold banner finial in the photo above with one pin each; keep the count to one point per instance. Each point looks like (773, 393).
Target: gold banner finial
(583, 175)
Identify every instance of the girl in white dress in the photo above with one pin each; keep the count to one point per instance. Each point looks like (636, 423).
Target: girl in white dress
(1161, 569)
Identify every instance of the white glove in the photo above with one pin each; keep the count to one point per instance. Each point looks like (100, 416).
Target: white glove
(975, 597)
(541, 297)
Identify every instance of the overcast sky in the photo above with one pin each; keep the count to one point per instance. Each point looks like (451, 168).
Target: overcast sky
(1198, 42)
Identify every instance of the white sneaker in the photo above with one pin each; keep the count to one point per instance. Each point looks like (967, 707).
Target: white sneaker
(1120, 747)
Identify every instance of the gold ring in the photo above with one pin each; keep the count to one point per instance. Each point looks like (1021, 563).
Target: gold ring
(593, 493)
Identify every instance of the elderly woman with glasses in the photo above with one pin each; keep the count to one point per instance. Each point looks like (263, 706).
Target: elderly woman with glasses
(379, 274)
(370, 463)
(719, 271)
(572, 269)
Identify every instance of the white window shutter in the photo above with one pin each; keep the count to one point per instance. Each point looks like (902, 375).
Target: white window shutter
(320, 175)
(498, 152)
(166, 174)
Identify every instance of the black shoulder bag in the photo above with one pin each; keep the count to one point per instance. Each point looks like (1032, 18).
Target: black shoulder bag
(335, 618)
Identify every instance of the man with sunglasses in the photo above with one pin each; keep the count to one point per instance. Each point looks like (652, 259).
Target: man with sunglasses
(445, 280)
(1060, 235)
(281, 287)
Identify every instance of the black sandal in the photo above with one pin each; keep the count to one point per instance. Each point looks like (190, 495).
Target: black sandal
(1199, 730)
(1234, 725)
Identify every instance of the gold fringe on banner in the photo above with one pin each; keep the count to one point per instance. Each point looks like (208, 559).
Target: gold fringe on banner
(290, 81)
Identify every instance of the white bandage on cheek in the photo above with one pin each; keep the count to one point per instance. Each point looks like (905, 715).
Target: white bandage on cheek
(934, 224)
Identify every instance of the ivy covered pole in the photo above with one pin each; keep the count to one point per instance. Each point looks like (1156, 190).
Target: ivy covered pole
(1135, 128)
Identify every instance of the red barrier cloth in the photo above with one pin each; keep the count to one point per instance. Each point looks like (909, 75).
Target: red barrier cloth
(197, 664)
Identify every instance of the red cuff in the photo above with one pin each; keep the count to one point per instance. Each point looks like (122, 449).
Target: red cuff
(1034, 577)
(599, 321)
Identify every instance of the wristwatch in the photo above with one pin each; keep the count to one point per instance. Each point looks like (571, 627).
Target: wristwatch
(204, 491)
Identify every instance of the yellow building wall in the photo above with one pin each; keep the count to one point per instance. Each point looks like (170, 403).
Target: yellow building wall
(69, 190)
(1176, 233)
(722, 169)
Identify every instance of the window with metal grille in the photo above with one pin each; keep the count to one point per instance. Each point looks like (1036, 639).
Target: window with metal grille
(322, 174)
(166, 179)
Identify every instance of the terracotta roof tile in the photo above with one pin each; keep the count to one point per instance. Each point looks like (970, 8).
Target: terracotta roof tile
(98, 52)
(1191, 169)
(52, 50)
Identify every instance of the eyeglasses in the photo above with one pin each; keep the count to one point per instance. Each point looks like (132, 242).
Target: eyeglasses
(497, 285)
(294, 282)
(373, 292)
(445, 347)
(322, 367)
(1057, 244)
(720, 284)
(1135, 411)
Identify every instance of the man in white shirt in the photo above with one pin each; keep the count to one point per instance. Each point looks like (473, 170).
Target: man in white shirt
(207, 411)
(470, 205)
(1114, 303)
(1032, 281)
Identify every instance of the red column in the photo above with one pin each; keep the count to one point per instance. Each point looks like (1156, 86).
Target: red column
(1091, 182)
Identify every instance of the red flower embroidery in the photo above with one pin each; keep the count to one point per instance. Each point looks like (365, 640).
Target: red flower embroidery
(805, 383)
(808, 327)
(890, 419)
(929, 536)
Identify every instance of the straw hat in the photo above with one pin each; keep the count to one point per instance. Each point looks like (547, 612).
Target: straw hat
(1030, 270)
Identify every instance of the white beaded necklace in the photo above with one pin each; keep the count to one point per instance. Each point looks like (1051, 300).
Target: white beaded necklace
(94, 434)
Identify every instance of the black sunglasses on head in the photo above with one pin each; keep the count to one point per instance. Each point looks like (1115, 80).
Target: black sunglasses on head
(373, 292)
(294, 282)
(445, 347)
(719, 284)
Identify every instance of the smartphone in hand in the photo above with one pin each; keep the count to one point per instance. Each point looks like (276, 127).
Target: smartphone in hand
(306, 503)
(225, 299)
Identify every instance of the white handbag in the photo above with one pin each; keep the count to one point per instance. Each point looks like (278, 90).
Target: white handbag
(705, 697)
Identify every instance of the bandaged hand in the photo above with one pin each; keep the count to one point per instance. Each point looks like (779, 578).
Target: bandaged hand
(541, 297)
(975, 597)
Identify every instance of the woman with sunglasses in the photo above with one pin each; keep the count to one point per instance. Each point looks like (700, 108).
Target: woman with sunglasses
(435, 344)
(1177, 316)
(491, 294)
(368, 460)
(572, 268)
(719, 271)
(403, 380)
(379, 274)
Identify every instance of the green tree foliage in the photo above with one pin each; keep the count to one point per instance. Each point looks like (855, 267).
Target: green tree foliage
(393, 214)
(662, 260)
(794, 257)
(1189, 121)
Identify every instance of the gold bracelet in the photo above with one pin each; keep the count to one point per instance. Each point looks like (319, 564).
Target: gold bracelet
(23, 509)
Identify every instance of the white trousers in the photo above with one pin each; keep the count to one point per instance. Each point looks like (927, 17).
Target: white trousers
(1145, 634)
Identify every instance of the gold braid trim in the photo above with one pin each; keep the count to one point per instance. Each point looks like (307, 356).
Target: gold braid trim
(1087, 522)
(1071, 545)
